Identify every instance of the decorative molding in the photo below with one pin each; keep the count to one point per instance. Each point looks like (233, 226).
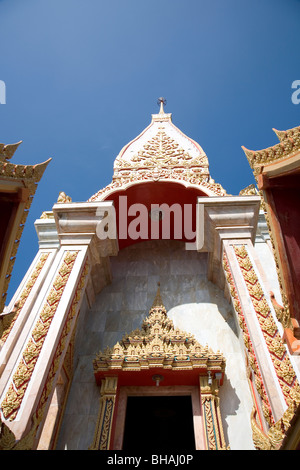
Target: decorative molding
(24, 180)
(21, 377)
(63, 198)
(106, 410)
(159, 344)
(278, 353)
(7, 151)
(7, 324)
(62, 346)
(289, 145)
(274, 437)
(161, 152)
(251, 356)
(212, 416)
(283, 135)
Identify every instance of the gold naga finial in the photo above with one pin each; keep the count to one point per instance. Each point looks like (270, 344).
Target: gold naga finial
(8, 150)
(63, 198)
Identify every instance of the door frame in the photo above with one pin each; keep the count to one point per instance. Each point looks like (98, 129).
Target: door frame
(139, 391)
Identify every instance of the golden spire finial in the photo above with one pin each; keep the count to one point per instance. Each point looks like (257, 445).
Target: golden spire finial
(157, 302)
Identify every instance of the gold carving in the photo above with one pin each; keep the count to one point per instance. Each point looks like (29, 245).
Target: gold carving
(63, 198)
(28, 177)
(273, 439)
(23, 372)
(287, 146)
(62, 345)
(8, 150)
(212, 416)
(283, 367)
(162, 151)
(8, 440)
(7, 327)
(47, 215)
(250, 190)
(7, 437)
(282, 311)
(162, 158)
(158, 344)
(252, 363)
(104, 423)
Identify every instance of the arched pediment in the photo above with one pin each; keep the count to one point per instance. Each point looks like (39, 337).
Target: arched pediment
(158, 346)
(162, 152)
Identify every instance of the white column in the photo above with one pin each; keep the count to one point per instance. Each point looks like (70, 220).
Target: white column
(46, 326)
(260, 327)
(228, 226)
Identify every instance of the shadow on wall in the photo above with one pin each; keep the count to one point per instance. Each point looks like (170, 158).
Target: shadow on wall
(229, 407)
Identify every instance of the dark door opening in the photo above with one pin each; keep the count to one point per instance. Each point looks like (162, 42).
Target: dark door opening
(159, 423)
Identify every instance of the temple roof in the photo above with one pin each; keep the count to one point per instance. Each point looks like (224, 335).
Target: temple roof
(18, 184)
(160, 145)
(161, 152)
(288, 146)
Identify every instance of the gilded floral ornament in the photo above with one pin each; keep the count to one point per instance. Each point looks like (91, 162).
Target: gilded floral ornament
(26, 178)
(7, 151)
(283, 367)
(23, 372)
(63, 198)
(161, 152)
(273, 439)
(158, 344)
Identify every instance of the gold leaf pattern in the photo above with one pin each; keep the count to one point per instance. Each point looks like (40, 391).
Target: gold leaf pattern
(13, 399)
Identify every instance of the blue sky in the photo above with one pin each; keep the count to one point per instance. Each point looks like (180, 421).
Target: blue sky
(83, 77)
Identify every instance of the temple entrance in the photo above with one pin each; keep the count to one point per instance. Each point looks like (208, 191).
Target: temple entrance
(137, 413)
(167, 424)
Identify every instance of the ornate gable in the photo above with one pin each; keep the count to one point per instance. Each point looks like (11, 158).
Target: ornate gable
(161, 153)
(158, 344)
(288, 147)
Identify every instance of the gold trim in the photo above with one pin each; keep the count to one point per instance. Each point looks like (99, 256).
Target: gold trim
(21, 377)
(19, 304)
(252, 363)
(105, 417)
(289, 144)
(158, 344)
(210, 402)
(279, 356)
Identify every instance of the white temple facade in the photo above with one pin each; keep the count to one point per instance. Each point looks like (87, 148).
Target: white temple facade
(160, 285)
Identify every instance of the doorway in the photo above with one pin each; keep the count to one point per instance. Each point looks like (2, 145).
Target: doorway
(159, 423)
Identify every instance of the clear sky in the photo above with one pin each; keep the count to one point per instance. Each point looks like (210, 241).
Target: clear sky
(83, 77)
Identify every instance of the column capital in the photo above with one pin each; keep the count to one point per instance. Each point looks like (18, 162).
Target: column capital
(224, 218)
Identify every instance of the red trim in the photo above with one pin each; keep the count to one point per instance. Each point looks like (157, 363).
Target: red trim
(140, 378)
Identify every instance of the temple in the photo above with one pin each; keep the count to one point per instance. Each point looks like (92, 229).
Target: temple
(162, 313)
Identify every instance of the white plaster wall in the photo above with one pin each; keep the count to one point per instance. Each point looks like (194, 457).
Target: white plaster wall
(192, 302)
(266, 257)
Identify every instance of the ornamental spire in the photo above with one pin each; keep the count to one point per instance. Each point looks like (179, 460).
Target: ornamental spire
(161, 102)
(157, 302)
